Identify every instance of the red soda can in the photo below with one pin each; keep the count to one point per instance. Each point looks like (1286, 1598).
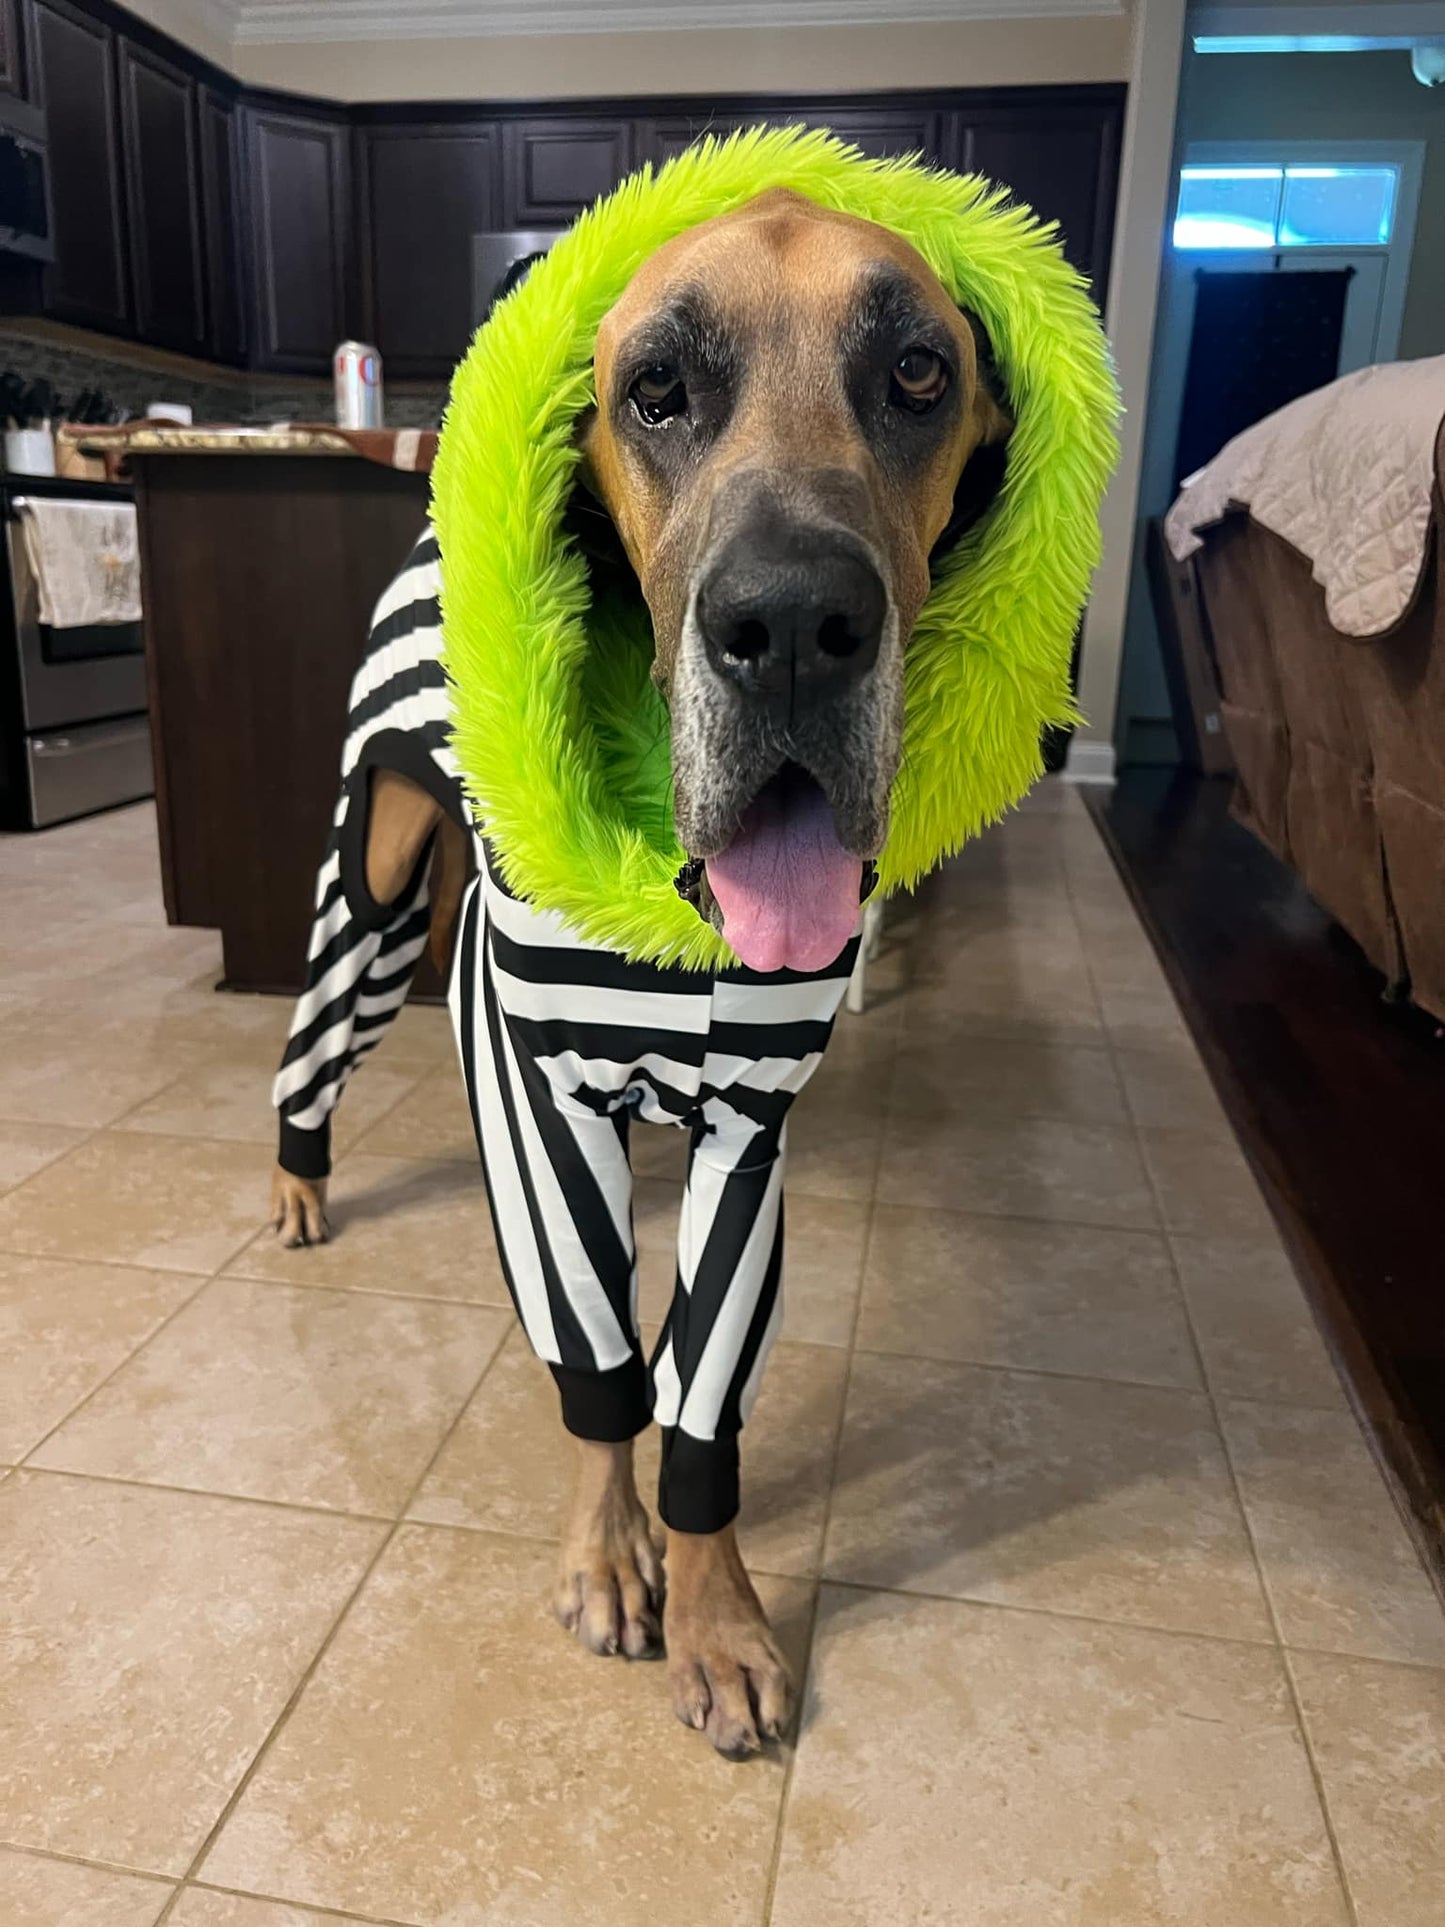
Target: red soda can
(357, 368)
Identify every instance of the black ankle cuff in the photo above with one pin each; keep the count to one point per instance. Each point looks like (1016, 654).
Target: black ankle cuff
(606, 1406)
(305, 1154)
(698, 1487)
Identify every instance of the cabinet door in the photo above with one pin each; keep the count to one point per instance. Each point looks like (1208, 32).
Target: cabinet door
(1063, 161)
(219, 135)
(12, 75)
(296, 167)
(72, 76)
(661, 138)
(552, 169)
(426, 190)
(884, 134)
(162, 192)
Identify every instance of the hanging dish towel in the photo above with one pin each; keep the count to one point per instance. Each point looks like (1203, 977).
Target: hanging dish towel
(85, 559)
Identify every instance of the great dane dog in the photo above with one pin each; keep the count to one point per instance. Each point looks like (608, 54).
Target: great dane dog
(792, 419)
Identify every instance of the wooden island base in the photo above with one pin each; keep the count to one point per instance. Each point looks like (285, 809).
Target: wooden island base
(260, 572)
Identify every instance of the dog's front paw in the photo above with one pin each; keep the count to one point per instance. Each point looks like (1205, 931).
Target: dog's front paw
(728, 1677)
(609, 1577)
(298, 1209)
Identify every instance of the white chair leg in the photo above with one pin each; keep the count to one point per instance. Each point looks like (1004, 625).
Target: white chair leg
(856, 996)
(873, 928)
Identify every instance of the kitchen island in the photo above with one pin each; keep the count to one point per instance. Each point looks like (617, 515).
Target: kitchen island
(262, 555)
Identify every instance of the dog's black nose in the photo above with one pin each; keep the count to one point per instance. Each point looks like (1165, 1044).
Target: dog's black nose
(791, 615)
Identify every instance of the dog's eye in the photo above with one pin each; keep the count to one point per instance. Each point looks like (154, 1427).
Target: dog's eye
(658, 394)
(920, 380)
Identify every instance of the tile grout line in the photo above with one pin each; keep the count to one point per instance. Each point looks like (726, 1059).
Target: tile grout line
(818, 1577)
(203, 1280)
(110, 1264)
(120, 1123)
(279, 1900)
(1301, 1726)
(310, 1670)
(1280, 1647)
(300, 1506)
(80, 1860)
(785, 1798)
(172, 1881)
(87, 1132)
(187, 1301)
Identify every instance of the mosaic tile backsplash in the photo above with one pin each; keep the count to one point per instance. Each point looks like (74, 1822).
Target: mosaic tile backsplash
(226, 397)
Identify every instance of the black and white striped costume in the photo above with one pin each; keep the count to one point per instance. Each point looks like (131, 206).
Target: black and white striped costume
(563, 1043)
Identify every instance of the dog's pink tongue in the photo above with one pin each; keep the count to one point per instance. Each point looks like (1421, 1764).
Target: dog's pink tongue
(787, 888)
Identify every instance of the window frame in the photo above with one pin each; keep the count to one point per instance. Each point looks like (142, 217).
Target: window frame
(1281, 175)
(1397, 252)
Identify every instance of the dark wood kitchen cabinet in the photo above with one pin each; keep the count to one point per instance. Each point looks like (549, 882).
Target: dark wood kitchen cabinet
(884, 134)
(552, 168)
(219, 138)
(424, 191)
(163, 199)
(1060, 157)
(881, 132)
(12, 72)
(298, 188)
(72, 73)
(260, 228)
(662, 137)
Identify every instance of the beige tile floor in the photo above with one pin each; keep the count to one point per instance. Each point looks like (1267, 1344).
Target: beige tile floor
(1105, 1617)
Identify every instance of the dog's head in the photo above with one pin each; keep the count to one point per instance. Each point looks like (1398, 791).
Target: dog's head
(792, 417)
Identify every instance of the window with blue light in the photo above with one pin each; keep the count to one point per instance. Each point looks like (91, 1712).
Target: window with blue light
(1307, 206)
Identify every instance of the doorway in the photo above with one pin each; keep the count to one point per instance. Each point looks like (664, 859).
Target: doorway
(1255, 334)
(1260, 215)
(1235, 342)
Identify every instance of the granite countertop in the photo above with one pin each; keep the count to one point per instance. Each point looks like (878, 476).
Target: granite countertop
(412, 449)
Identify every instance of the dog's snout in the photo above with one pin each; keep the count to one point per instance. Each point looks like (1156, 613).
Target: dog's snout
(792, 615)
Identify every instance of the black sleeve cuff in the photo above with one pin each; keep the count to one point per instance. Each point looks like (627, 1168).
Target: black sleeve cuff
(608, 1406)
(305, 1154)
(698, 1489)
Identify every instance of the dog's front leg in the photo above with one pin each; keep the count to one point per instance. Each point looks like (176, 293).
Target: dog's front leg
(298, 1209)
(609, 1580)
(728, 1677)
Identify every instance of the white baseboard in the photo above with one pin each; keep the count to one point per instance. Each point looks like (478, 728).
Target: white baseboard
(1089, 762)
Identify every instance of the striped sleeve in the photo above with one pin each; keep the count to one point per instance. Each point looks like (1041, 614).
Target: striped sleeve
(361, 955)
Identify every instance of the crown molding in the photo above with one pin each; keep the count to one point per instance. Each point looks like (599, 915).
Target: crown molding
(273, 21)
(216, 22)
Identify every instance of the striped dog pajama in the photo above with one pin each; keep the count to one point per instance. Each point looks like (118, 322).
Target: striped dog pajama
(563, 1044)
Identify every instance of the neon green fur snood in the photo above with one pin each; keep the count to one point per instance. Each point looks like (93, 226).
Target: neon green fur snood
(561, 736)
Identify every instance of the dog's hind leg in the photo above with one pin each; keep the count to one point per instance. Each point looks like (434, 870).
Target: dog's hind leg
(370, 925)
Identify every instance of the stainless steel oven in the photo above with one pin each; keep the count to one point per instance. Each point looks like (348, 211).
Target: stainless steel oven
(74, 731)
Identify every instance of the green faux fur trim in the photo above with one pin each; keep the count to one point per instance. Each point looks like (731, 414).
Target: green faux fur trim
(561, 737)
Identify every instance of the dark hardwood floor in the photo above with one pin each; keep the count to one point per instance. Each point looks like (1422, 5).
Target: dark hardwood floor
(1338, 1098)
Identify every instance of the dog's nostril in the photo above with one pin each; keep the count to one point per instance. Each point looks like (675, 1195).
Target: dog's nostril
(748, 640)
(836, 636)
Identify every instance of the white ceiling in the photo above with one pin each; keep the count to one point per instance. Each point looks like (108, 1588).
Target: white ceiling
(323, 20)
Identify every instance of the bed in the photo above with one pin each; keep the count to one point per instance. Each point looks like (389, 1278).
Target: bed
(1314, 542)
